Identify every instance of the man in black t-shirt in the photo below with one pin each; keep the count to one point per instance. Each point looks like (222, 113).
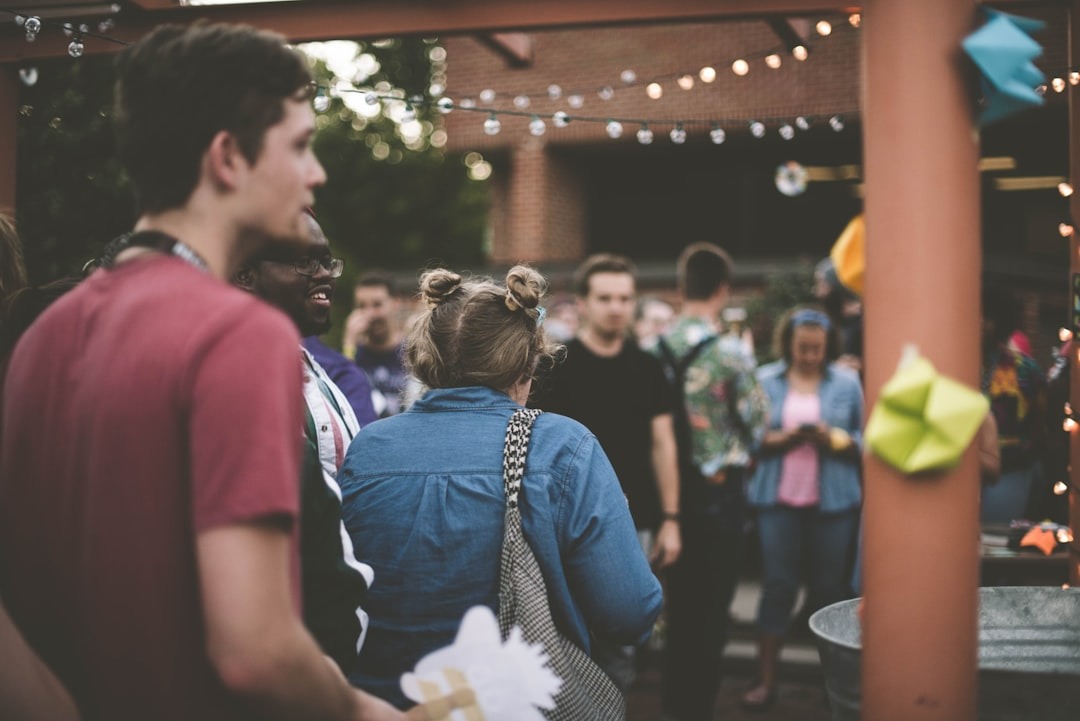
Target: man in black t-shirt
(620, 393)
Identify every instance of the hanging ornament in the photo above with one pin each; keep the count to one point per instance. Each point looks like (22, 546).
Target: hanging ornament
(678, 134)
(560, 119)
(644, 135)
(75, 47)
(757, 129)
(802, 123)
(717, 135)
(836, 123)
(786, 131)
(791, 178)
(537, 127)
(28, 76)
(492, 126)
(614, 129)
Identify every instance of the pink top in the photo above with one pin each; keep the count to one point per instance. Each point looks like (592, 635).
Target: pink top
(799, 469)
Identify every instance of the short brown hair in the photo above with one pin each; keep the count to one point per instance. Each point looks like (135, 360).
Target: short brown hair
(477, 332)
(601, 263)
(178, 87)
(702, 269)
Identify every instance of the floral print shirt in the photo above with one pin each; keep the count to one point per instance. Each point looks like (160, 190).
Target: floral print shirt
(726, 406)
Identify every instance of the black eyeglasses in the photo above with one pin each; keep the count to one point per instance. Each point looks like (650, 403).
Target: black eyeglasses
(310, 266)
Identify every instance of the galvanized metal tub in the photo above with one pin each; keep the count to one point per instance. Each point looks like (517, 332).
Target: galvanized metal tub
(1029, 654)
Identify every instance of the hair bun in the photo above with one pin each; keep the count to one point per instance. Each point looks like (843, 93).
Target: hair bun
(436, 286)
(524, 288)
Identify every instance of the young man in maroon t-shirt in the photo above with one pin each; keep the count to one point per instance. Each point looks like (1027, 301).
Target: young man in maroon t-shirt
(148, 473)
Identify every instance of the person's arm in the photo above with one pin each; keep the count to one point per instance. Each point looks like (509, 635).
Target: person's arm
(254, 638)
(666, 470)
(28, 689)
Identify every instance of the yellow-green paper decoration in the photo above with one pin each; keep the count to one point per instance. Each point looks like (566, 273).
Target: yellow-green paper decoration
(922, 420)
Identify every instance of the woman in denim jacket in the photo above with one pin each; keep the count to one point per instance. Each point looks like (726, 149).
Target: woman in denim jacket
(423, 492)
(805, 487)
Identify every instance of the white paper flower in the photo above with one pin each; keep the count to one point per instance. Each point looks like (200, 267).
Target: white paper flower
(511, 680)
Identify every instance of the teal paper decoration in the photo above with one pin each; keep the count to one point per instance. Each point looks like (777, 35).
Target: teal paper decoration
(1003, 50)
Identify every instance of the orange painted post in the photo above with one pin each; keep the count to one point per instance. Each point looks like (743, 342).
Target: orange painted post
(921, 559)
(1074, 267)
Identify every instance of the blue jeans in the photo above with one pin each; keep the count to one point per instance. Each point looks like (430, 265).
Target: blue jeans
(788, 534)
(1006, 499)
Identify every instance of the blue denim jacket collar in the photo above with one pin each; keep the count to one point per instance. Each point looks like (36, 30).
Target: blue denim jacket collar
(453, 399)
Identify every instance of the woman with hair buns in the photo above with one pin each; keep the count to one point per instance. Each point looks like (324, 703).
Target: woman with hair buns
(423, 495)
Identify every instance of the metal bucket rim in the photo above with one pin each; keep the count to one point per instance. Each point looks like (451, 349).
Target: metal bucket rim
(815, 620)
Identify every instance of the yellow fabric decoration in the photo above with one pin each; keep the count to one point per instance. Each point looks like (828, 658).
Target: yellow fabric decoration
(923, 421)
(848, 255)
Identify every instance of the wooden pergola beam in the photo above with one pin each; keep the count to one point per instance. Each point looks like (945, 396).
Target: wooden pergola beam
(317, 20)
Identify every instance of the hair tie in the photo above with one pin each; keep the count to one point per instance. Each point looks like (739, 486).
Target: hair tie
(808, 316)
(511, 301)
(541, 313)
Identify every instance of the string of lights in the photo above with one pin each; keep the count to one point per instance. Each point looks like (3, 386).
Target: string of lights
(77, 31)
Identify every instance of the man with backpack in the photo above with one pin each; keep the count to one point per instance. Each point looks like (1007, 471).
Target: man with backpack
(720, 415)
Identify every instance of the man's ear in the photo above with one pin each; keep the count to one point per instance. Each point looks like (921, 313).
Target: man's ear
(245, 278)
(224, 160)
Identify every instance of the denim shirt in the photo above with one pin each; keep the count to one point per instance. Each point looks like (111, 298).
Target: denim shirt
(841, 407)
(423, 502)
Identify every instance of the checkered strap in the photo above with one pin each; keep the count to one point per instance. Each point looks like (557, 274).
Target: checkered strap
(587, 694)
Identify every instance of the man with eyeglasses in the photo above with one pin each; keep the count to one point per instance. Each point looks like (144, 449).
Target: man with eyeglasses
(300, 282)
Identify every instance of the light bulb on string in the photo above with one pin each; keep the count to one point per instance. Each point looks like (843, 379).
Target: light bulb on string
(537, 126)
(575, 101)
(686, 82)
(628, 76)
(467, 103)
(740, 67)
(644, 135)
(1064, 335)
(1060, 487)
(560, 119)
(1074, 77)
(371, 98)
(1065, 230)
(606, 93)
(774, 61)
(1058, 84)
(823, 27)
(802, 123)
(321, 102)
(717, 135)
(75, 47)
(854, 20)
(522, 101)
(32, 26)
(678, 134)
(654, 90)
(492, 126)
(554, 91)
(836, 123)
(786, 131)
(1064, 535)
(707, 74)
(757, 129)
(487, 95)
(614, 129)
(1068, 408)
(800, 53)
(1065, 189)
(445, 105)
(1069, 425)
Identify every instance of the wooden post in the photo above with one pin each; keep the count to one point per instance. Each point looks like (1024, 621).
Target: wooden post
(921, 558)
(9, 134)
(1074, 290)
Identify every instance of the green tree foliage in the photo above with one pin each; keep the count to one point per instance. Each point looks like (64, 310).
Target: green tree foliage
(72, 196)
(782, 292)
